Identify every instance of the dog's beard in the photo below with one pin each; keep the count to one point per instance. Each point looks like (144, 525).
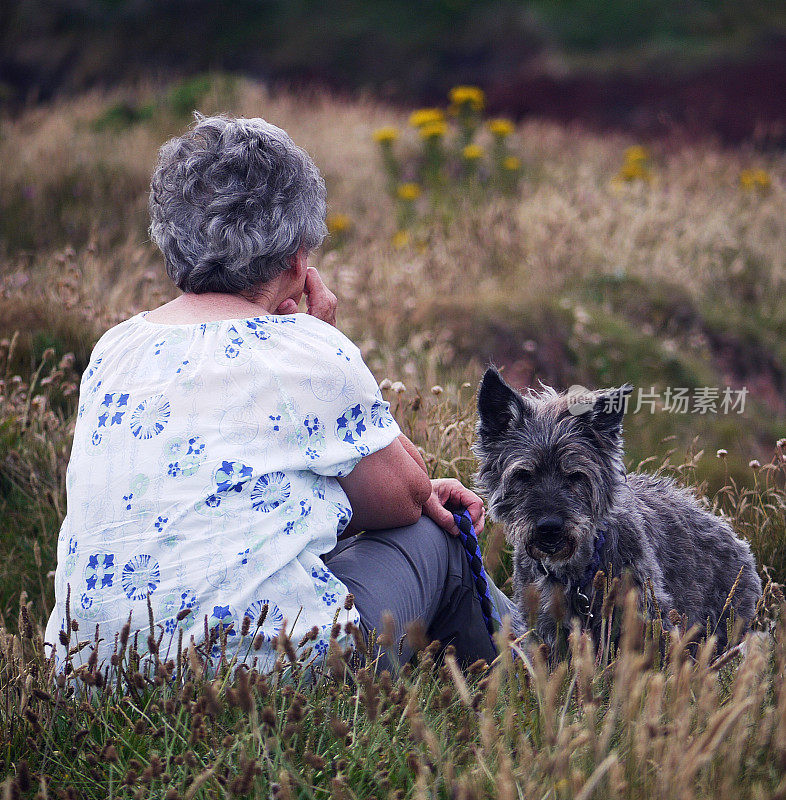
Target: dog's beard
(562, 555)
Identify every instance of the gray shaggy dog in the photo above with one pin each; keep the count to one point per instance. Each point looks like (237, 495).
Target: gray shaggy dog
(552, 470)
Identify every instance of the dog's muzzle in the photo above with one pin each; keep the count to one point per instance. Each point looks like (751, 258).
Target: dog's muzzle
(549, 534)
(550, 539)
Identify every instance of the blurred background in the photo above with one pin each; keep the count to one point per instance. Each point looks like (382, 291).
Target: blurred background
(706, 66)
(580, 191)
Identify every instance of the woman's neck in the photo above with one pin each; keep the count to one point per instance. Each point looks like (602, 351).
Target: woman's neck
(211, 306)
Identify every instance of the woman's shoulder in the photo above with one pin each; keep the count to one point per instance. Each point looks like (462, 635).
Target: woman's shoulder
(317, 330)
(116, 333)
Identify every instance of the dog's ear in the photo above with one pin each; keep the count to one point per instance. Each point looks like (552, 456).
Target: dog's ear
(609, 408)
(499, 406)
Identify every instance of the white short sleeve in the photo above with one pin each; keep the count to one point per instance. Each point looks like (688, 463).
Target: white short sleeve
(358, 422)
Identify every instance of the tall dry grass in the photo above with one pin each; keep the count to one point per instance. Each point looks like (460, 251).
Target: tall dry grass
(634, 727)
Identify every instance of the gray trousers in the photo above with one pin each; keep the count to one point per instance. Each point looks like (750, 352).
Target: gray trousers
(416, 573)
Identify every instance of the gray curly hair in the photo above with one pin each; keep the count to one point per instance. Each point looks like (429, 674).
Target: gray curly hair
(231, 201)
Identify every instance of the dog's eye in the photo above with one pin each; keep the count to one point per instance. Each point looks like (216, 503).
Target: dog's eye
(522, 475)
(575, 477)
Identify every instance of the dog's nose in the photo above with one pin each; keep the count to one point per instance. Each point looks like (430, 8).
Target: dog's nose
(549, 527)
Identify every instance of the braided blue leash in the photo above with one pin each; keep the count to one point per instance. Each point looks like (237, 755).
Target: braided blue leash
(472, 549)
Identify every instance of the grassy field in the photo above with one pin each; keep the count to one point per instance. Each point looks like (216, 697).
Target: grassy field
(573, 274)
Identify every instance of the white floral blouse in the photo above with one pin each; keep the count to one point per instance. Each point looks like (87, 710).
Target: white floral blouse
(203, 474)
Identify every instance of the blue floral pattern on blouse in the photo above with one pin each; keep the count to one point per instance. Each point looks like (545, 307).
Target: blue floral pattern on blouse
(203, 478)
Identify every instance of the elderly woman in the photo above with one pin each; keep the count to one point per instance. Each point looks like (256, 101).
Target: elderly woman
(224, 441)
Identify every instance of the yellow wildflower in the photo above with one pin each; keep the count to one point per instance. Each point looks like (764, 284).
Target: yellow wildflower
(338, 223)
(762, 178)
(434, 130)
(633, 171)
(400, 239)
(472, 152)
(467, 95)
(386, 135)
(637, 154)
(511, 163)
(500, 127)
(408, 191)
(426, 116)
(755, 179)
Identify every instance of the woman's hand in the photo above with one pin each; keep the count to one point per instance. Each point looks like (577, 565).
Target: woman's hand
(448, 493)
(320, 301)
